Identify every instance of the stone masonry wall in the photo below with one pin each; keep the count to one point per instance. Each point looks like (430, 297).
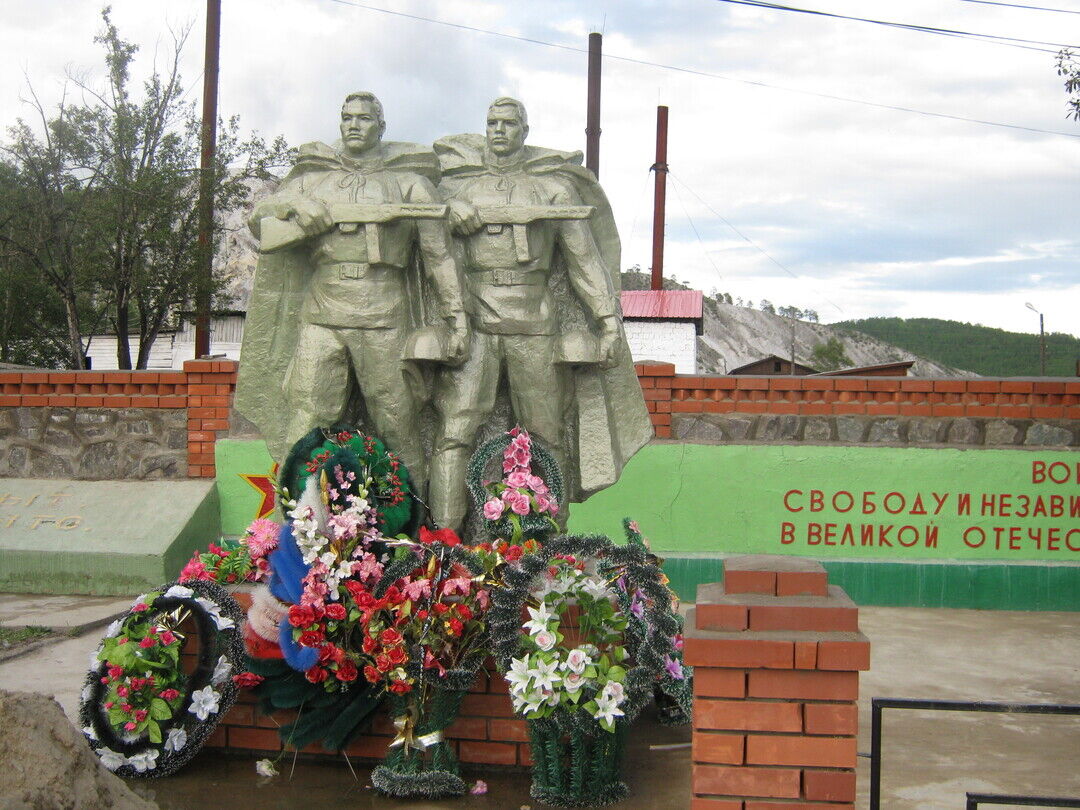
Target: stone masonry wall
(114, 424)
(93, 443)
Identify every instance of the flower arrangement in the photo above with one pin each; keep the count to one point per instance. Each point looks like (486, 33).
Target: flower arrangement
(674, 690)
(521, 503)
(141, 713)
(576, 733)
(226, 562)
(553, 676)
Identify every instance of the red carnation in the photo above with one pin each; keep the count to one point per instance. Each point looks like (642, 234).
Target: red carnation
(172, 694)
(383, 663)
(397, 656)
(245, 680)
(316, 674)
(335, 611)
(371, 674)
(389, 637)
(421, 614)
(347, 671)
(464, 612)
(513, 553)
(441, 608)
(311, 638)
(400, 687)
(368, 645)
(448, 537)
(329, 652)
(455, 626)
(301, 615)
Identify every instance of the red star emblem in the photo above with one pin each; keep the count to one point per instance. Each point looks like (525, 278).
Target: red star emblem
(265, 485)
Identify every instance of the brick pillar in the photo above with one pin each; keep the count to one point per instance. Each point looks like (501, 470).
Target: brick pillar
(777, 653)
(210, 386)
(655, 380)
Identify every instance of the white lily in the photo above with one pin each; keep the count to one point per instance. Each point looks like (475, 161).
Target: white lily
(518, 676)
(145, 761)
(179, 592)
(111, 759)
(546, 674)
(176, 739)
(204, 702)
(607, 710)
(539, 619)
(596, 588)
(222, 670)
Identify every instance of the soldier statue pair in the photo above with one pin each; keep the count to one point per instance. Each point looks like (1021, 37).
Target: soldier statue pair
(415, 279)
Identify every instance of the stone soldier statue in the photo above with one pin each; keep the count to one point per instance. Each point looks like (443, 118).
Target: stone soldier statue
(540, 255)
(337, 292)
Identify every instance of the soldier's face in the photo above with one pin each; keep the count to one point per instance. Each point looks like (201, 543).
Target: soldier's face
(505, 132)
(360, 127)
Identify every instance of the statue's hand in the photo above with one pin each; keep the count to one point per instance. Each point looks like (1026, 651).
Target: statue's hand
(312, 216)
(464, 218)
(457, 347)
(609, 341)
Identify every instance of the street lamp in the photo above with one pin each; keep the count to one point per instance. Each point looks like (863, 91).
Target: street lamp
(1042, 341)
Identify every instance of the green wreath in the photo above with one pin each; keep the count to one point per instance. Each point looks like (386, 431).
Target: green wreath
(531, 525)
(174, 721)
(590, 777)
(324, 449)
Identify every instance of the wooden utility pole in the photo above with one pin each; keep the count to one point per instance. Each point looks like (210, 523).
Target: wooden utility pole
(592, 116)
(659, 192)
(203, 283)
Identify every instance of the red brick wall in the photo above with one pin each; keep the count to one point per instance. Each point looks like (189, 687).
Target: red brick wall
(204, 388)
(667, 393)
(486, 731)
(777, 655)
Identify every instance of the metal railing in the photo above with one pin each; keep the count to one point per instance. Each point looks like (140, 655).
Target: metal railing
(975, 799)
(877, 705)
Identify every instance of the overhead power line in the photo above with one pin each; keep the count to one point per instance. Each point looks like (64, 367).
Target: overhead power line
(1016, 42)
(704, 73)
(1021, 5)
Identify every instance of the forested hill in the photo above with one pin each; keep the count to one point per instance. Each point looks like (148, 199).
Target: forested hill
(985, 350)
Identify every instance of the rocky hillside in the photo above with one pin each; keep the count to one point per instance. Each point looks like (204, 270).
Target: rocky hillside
(735, 336)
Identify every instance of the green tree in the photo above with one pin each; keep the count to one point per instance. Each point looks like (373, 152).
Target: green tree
(1068, 67)
(112, 187)
(830, 355)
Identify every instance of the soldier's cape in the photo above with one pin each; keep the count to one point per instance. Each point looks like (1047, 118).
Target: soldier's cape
(612, 422)
(272, 323)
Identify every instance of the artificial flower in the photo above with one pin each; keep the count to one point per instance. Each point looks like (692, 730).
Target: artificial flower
(179, 592)
(577, 660)
(539, 619)
(111, 759)
(144, 761)
(204, 702)
(545, 674)
(265, 767)
(545, 640)
(176, 739)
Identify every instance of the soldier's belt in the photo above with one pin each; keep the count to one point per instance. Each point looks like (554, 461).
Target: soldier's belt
(347, 270)
(509, 276)
(276, 234)
(494, 217)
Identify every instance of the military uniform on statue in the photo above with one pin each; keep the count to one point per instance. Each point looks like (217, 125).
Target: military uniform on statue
(337, 291)
(540, 255)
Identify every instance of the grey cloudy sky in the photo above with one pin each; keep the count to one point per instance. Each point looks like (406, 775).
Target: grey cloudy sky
(864, 211)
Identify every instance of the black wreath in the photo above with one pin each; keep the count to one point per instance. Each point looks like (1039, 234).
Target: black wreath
(213, 644)
(474, 478)
(507, 605)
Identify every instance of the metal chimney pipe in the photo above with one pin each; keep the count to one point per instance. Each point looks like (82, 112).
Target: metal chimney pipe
(592, 116)
(659, 192)
(206, 178)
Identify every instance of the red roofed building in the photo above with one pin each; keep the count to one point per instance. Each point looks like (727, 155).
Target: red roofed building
(663, 325)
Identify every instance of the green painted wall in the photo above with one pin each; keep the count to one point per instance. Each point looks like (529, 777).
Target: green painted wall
(871, 503)
(893, 526)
